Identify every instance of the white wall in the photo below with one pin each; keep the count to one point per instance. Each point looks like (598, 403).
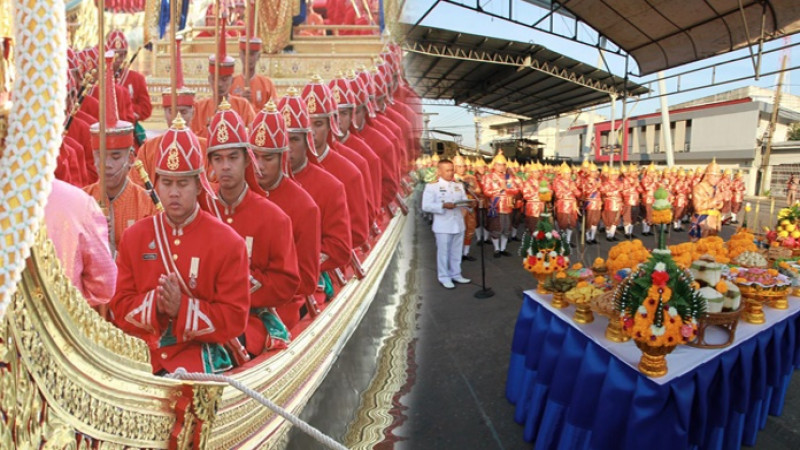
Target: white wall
(733, 131)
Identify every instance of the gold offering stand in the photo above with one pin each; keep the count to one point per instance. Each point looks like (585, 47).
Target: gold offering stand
(756, 296)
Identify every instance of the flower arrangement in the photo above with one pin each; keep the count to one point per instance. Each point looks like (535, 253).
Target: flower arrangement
(626, 255)
(741, 241)
(545, 194)
(546, 250)
(686, 253)
(659, 307)
(662, 208)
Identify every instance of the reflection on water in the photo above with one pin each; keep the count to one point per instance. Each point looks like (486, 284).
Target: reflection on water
(358, 391)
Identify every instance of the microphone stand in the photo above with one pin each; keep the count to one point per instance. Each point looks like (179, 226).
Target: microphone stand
(484, 292)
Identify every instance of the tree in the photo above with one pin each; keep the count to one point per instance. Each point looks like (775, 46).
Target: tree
(794, 132)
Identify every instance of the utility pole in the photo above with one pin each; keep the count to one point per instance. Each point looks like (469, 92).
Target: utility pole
(477, 131)
(766, 172)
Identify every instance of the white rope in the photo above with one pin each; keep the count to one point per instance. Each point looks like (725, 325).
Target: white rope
(294, 420)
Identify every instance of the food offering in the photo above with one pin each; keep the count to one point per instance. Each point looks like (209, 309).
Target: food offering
(751, 260)
(559, 284)
(759, 286)
(686, 253)
(582, 295)
(791, 269)
(544, 252)
(787, 233)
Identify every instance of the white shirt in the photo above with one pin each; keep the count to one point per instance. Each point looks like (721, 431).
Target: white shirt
(433, 199)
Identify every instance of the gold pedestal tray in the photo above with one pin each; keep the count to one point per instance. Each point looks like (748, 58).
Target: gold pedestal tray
(614, 332)
(755, 296)
(654, 359)
(559, 300)
(540, 278)
(583, 313)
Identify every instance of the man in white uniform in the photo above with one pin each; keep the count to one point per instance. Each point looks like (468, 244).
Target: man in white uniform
(440, 199)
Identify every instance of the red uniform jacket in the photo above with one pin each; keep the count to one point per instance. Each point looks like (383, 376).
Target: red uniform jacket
(348, 174)
(363, 169)
(67, 163)
(304, 214)
(140, 99)
(91, 107)
(79, 130)
(373, 161)
(329, 194)
(406, 135)
(124, 107)
(395, 134)
(267, 233)
(216, 276)
(384, 148)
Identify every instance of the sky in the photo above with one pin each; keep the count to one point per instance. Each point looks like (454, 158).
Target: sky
(457, 119)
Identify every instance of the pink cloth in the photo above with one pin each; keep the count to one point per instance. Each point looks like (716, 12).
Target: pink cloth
(79, 232)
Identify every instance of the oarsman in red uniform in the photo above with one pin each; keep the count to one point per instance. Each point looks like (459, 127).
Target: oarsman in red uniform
(267, 231)
(630, 199)
(680, 198)
(378, 98)
(401, 98)
(376, 140)
(67, 169)
(127, 202)
(534, 206)
(328, 192)
(384, 102)
(648, 191)
(592, 202)
(78, 130)
(262, 89)
(738, 188)
(131, 80)
(148, 152)
(270, 143)
(321, 110)
(501, 190)
(473, 192)
(611, 191)
(124, 106)
(345, 97)
(205, 109)
(184, 297)
(566, 194)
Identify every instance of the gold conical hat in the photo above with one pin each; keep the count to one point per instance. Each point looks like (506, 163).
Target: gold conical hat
(605, 169)
(435, 158)
(565, 168)
(499, 158)
(651, 167)
(585, 164)
(458, 160)
(728, 171)
(713, 168)
(592, 167)
(624, 169)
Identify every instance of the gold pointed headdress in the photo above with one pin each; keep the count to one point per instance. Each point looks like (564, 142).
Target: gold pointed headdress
(713, 168)
(499, 158)
(565, 168)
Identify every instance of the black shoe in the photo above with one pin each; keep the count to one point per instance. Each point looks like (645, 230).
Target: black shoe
(514, 238)
(480, 242)
(497, 254)
(505, 253)
(572, 244)
(734, 221)
(468, 258)
(629, 236)
(611, 239)
(647, 233)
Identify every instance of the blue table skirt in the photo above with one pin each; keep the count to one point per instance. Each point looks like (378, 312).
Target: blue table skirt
(570, 393)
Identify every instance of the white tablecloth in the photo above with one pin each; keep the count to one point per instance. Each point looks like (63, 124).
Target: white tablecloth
(684, 358)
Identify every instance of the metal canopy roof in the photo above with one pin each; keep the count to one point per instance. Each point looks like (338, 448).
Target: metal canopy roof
(661, 34)
(514, 77)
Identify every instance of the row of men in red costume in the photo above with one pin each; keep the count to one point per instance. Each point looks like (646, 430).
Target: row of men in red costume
(510, 194)
(265, 214)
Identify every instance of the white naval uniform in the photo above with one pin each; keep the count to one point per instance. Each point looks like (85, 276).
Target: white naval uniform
(448, 226)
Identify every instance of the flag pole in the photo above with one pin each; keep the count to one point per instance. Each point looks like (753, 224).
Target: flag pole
(173, 57)
(101, 84)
